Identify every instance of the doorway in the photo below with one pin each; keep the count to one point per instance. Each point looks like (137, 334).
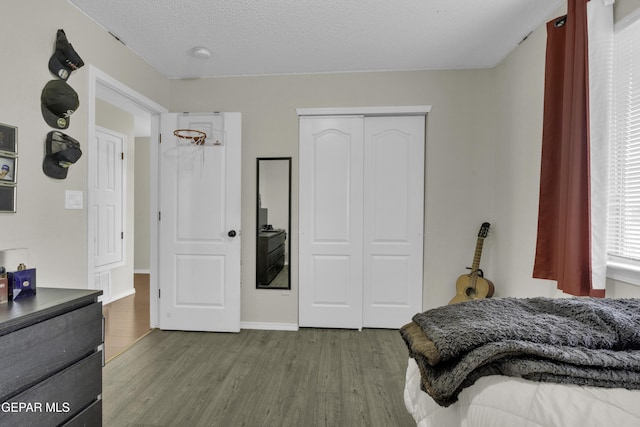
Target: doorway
(103, 88)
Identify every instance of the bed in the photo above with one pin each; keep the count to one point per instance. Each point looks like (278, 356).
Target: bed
(534, 362)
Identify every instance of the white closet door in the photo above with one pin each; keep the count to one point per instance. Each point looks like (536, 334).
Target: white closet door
(393, 220)
(331, 210)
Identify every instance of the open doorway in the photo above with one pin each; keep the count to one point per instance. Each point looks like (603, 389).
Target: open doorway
(129, 309)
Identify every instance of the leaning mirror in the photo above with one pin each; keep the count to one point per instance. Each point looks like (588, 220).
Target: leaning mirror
(273, 223)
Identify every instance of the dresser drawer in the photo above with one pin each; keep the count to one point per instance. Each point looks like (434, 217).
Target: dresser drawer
(38, 351)
(276, 240)
(270, 240)
(58, 398)
(90, 417)
(275, 255)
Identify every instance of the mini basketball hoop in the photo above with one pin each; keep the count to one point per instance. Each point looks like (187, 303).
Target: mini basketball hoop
(189, 152)
(196, 137)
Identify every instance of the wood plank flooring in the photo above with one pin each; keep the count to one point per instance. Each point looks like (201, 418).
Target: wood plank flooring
(126, 319)
(312, 377)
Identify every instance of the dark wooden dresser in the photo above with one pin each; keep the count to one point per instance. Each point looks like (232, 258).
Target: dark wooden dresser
(51, 359)
(270, 258)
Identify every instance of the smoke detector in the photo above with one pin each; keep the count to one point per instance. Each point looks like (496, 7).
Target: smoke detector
(201, 52)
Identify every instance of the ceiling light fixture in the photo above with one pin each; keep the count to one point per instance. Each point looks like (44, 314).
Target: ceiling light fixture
(201, 52)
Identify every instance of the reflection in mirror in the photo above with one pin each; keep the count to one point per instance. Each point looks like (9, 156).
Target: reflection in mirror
(273, 223)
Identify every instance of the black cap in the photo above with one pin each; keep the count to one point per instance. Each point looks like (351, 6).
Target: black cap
(65, 59)
(61, 152)
(59, 101)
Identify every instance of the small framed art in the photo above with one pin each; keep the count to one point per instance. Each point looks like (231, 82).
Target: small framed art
(8, 169)
(8, 165)
(7, 198)
(8, 139)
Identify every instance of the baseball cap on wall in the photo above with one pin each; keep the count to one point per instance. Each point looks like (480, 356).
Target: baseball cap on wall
(61, 151)
(59, 101)
(65, 59)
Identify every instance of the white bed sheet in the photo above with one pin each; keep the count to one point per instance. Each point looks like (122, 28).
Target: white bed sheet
(499, 401)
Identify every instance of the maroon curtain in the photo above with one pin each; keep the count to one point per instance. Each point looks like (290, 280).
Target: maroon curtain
(563, 249)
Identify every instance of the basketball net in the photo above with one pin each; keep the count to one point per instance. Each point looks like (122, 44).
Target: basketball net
(190, 149)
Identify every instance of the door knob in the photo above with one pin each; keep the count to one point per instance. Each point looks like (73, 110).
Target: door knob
(232, 233)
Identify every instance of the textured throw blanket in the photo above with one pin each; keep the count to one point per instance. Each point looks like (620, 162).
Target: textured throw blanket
(583, 341)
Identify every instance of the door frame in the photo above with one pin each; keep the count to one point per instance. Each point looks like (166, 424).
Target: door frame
(103, 86)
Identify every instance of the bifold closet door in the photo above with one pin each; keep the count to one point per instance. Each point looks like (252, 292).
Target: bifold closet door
(361, 220)
(330, 235)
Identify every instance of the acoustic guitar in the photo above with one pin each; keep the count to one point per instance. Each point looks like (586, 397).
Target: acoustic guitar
(473, 285)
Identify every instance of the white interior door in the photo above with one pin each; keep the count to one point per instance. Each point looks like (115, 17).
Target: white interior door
(393, 220)
(330, 237)
(199, 231)
(108, 200)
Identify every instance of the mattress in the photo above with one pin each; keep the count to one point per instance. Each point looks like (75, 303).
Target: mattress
(500, 401)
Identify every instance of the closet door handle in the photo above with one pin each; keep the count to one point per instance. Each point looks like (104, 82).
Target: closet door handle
(232, 233)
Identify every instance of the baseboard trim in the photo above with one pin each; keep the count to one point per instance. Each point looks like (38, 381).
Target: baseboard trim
(120, 296)
(269, 326)
(141, 271)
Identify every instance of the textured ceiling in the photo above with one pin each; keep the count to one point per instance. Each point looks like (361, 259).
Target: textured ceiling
(257, 37)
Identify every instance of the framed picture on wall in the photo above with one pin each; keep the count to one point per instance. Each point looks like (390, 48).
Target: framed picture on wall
(8, 165)
(8, 139)
(7, 198)
(8, 169)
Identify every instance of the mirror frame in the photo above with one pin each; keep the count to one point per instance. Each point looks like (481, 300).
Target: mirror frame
(288, 238)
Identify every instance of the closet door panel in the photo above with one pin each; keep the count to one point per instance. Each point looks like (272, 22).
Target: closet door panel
(331, 275)
(393, 220)
(386, 269)
(388, 185)
(331, 190)
(330, 237)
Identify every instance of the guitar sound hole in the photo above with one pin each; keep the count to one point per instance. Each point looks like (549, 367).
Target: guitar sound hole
(471, 293)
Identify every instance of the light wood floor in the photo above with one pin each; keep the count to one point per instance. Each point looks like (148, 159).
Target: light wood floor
(312, 377)
(126, 319)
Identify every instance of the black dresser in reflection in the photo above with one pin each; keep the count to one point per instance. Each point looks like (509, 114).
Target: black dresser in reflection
(51, 357)
(270, 255)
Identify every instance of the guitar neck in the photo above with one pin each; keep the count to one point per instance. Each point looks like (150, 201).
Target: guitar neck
(475, 267)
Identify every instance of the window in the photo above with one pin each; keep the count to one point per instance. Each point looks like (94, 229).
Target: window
(624, 161)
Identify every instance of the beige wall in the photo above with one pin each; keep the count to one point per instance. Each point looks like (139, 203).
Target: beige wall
(458, 165)
(482, 162)
(56, 238)
(142, 255)
(519, 105)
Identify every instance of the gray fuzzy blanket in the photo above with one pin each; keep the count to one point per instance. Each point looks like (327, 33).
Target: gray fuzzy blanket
(584, 341)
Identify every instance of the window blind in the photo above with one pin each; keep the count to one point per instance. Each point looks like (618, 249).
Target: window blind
(624, 167)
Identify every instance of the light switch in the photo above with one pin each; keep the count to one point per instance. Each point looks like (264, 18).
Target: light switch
(73, 199)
